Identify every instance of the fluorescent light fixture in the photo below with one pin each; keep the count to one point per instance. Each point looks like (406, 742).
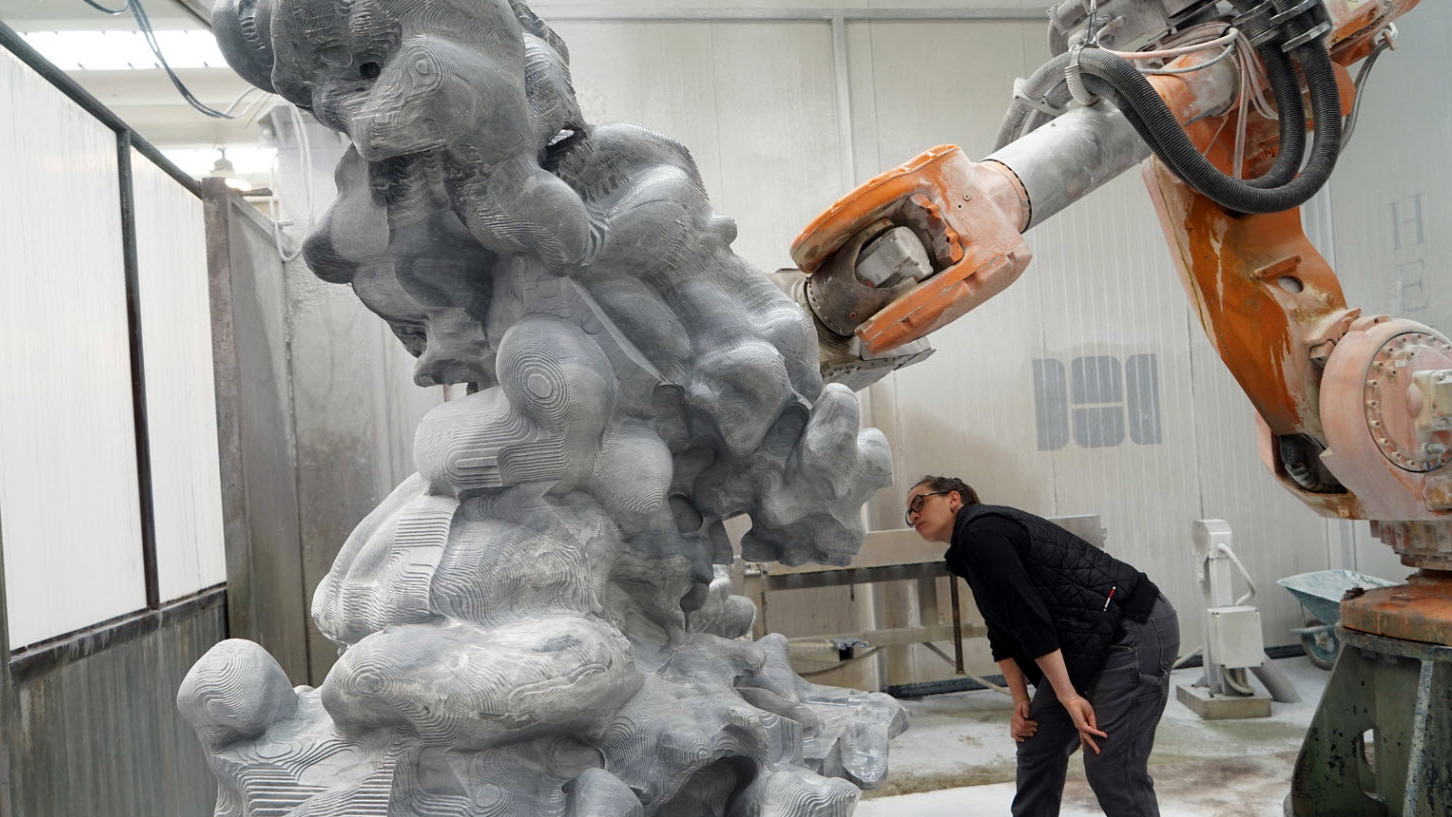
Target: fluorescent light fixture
(125, 50)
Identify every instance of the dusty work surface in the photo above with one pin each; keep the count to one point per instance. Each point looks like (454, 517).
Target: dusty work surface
(957, 758)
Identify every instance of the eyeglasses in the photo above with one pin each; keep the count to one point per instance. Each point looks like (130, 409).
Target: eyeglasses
(915, 505)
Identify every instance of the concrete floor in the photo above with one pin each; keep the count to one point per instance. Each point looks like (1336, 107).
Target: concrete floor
(957, 759)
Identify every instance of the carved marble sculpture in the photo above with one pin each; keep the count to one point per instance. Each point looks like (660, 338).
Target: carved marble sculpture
(533, 624)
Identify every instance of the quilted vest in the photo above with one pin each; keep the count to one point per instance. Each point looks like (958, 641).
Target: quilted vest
(1073, 578)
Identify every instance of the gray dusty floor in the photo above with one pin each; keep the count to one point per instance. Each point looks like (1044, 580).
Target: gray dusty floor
(957, 759)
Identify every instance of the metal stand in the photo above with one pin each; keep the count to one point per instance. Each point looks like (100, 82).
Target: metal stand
(1232, 643)
(1378, 746)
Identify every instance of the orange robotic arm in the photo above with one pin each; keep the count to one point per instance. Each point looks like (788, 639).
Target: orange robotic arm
(1350, 426)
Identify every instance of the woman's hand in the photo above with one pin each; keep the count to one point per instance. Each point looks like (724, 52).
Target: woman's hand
(1079, 709)
(1019, 726)
(1083, 715)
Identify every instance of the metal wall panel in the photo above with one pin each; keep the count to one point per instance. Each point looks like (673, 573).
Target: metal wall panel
(68, 474)
(1390, 200)
(1111, 306)
(102, 735)
(952, 414)
(919, 84)
(904, 101)
(266, 596)
(655, 75)
(181, 404)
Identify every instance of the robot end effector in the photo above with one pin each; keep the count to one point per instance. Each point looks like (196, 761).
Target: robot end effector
(914, 249)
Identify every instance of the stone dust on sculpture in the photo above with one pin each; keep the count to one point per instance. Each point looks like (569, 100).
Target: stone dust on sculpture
(533, 624)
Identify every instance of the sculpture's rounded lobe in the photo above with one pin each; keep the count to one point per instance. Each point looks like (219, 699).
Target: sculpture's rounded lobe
(234, 693)
(244, 33)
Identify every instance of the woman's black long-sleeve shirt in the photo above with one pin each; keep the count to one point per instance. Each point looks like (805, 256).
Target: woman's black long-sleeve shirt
(1018, 621)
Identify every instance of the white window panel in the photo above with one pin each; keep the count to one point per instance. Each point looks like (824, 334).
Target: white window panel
(69, 510)
(176, 331)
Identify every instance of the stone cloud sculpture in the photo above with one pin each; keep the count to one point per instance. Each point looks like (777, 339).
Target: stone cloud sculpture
(533, 624)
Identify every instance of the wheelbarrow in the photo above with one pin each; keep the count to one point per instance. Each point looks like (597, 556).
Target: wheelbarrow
(1320, 593)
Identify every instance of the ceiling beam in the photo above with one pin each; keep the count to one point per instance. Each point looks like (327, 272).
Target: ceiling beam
(200, 9)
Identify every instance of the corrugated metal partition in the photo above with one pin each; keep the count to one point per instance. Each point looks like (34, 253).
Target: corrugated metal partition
(100, 734)
(110, 514)
(266, 601)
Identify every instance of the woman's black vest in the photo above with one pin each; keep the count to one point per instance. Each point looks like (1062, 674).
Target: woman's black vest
(1073, 578)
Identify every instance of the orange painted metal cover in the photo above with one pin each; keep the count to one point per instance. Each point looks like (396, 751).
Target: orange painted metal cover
(1420, 610)
(968, 216)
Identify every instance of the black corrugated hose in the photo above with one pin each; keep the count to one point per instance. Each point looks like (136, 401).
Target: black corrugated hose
(1155, 124)
(1047, 83)
(1300, 455)
(1290, 112)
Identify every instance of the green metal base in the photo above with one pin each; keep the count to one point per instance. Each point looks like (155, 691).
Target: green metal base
(1381, 742)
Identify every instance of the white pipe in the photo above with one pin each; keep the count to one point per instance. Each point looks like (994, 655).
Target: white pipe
(1224, 548)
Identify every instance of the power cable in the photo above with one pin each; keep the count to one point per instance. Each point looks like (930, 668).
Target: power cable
(103, 9)
(1201, 66)
(1386, 40)
(305, 149)
(143, 23)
